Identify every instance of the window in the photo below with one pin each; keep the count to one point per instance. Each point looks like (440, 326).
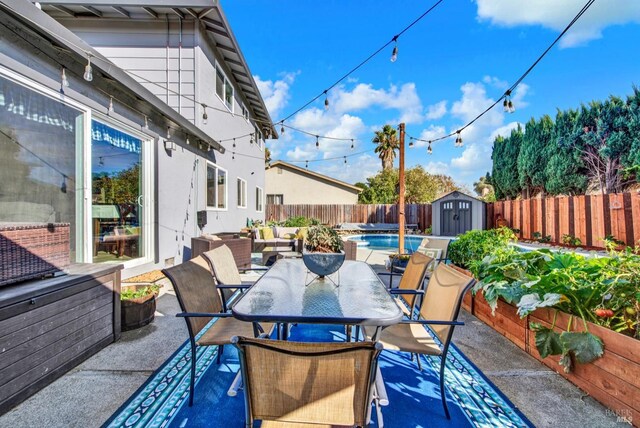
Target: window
(258, 138)
(245, 112)
(224, 89)
(275, 199)
(242, 193)
(216, 187)
(259, 199)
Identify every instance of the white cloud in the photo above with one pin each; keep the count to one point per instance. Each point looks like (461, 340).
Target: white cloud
(357, 168)
(404, 99)
(436, 111)
(430, 133)
(555, 15)
(494, 81)
(474, 161)
(504, 131)
(301, 153)
(275, 93)
(437, 168)
(473, 102)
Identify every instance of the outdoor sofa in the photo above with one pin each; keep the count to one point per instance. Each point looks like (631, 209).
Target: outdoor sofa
(275, 236)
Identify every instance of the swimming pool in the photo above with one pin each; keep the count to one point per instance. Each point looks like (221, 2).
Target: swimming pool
(387, 242)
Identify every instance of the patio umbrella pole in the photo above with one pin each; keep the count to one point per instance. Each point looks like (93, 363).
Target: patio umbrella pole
(401, 219)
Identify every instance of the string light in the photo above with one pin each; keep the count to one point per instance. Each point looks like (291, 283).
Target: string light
(352, 144)
(394, 54)
(458, 139)
(234, 143)
(64, 82)
(146, 122)
(101, 161)
(168, 133)
(233, 155)
(282, 127)
(345, 160)
(251, 140)
(306, 164)
(507, 104)
(205, 116)
(110, 110)
(411, 142)
(317, 142)
(88, 71)
(63, 186)
(326, 101)
(429, 149)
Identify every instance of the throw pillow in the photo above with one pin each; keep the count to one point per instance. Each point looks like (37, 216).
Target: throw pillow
(289, 236)
(302, 233)
(266, 233)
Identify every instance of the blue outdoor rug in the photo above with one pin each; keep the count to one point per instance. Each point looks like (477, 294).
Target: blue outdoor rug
(413, 394)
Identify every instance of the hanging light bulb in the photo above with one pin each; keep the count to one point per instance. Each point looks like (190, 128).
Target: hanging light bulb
(168, 132)
(251, 140)
(110, 110)
(511, 107)
(233, 155)
(505, 105)
(429, 149)
(352, 144)
(345, 160)
(458, 139)
(394, 54)
(205, 117)
(326, 101)
(306, 164)
(64, 82)
(63, 186)
(88, 71)
(282, 127)
(410, 142)
(234, 143)
(146, 123)
(101, 161)
(317, 143)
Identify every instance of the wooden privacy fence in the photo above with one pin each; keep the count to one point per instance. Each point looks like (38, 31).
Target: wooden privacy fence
(333, 215)
(588, 217)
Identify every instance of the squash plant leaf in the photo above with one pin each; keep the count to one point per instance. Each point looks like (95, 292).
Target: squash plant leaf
(566, 362)
(547, 341)
(585, 346)
(530, 302)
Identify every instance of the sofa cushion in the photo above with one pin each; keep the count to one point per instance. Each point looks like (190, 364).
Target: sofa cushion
(281, 231)
(266, 233)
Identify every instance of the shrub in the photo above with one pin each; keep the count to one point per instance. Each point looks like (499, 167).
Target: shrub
(300, 221)
(474, 245)
(130, 294)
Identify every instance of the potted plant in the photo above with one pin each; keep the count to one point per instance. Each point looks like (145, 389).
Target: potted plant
(397, 260)
(323, 252)
(137, 305)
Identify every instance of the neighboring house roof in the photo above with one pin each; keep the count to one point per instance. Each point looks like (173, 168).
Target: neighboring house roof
(314, 175)
(208, 12)
(52, 30)
(458, 192)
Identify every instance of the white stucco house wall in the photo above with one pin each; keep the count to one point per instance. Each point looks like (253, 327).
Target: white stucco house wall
(172, 101)
(289, 184)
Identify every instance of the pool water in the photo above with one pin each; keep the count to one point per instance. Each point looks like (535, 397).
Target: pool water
(387, 242)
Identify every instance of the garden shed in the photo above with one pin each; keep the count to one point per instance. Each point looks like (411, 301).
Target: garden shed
(456, 212)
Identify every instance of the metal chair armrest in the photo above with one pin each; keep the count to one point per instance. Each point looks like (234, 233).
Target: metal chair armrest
(203, 314)
(432, 322)
(231, 286)
(400, 291)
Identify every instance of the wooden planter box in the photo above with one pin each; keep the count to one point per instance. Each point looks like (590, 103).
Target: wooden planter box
(136, 313)
(613, 379)
(506, 321)
(30, 251)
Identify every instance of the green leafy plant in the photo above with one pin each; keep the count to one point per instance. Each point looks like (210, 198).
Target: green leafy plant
(132, 293)
(322, 239)
(571, 240)
(428, 230)
(474, 245)
(602, 290)
(537, 236)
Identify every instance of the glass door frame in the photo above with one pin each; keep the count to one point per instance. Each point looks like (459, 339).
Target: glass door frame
(147, 187)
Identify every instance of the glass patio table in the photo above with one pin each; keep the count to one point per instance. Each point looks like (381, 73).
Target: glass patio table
(289, 293)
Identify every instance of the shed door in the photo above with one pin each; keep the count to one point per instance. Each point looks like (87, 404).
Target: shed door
(447, 218)
(455, 217)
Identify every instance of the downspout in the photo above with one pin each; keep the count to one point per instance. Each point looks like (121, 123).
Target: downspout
(167, 59)
(180, 69)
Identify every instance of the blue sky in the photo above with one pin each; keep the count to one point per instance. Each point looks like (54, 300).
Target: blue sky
(452, 65)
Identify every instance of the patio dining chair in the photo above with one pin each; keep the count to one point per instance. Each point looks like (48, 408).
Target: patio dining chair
(439, 310)
(412, 281)
(200, 302)
(441, 244)
(299, 384)
(226, 272)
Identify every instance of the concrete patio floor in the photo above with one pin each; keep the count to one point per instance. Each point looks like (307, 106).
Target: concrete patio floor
(89, 394)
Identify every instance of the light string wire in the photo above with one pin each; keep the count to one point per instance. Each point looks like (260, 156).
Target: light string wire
(515, 85)
(370, 57)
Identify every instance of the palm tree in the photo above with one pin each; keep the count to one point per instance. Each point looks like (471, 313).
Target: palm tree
(388, 143)
(483, 185)
(267, 156)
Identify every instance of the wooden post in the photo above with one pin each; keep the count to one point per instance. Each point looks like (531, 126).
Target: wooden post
(401, 219)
